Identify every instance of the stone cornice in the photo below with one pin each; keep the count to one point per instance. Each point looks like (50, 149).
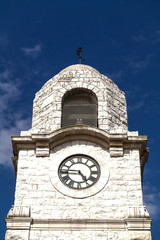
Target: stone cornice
(78, 132)
(19, 217)
(18, 223)
(114, 143)
(141, 224)
(78, 224)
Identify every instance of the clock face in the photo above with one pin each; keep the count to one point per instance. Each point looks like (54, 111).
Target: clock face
(79, 172)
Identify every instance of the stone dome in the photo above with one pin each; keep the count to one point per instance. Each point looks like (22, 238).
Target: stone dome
(48, 107)
(79, 67)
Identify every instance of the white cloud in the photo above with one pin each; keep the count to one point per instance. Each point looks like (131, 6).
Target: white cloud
(138, 97)
(151, 200)
(137, 105)
(11, 121)
(138, 64)
(3, 40)
(9, 88)
(157, 36)
(116, 75)
(139, 38)
(152, 37)
(32, 52)
(5, 139)
(5, 75)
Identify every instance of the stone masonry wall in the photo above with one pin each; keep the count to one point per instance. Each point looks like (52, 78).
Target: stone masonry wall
(35, 189)
(17, 235)
(47, 107)
(89, 235)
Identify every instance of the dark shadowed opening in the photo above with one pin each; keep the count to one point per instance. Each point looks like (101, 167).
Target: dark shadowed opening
(79, 106)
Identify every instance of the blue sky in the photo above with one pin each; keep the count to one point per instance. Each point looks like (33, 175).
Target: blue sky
(120, 38)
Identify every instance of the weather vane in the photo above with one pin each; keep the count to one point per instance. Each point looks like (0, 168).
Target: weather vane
(79, 51)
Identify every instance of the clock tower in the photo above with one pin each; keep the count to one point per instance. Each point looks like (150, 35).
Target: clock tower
(78, 169)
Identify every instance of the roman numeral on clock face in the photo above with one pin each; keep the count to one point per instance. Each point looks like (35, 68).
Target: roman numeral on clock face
(65, 178)
(94, 172)
(70, 184)
(92, 179)
(72, 161)
(87, 184)
(79, 185)
(92, 166)
(76, 160)
(79, 159)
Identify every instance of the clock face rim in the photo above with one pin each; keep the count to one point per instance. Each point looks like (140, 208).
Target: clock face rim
(77, 179)
(61, 152)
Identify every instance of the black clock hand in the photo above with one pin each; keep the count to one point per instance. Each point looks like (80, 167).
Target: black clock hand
(70, 170)
(83, 177)
(74, 172)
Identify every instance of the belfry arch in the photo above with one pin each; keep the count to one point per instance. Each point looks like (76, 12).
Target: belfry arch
(79, 107)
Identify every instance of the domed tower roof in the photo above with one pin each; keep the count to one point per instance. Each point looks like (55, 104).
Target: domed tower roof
(79, 67)
(87, 83)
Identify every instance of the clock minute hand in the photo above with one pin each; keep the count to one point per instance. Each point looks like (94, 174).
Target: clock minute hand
(83, 177)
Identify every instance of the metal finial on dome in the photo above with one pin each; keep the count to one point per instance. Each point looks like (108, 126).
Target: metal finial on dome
(79, 51)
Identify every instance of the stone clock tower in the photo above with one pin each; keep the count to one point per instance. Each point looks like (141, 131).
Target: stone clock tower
(78, 169)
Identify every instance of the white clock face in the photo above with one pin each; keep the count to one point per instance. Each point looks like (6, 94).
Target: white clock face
(79, 172)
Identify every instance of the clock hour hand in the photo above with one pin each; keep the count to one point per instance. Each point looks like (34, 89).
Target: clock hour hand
(69, 171)
(72, 171)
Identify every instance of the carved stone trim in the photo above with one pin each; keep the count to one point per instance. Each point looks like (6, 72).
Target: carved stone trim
(92, 225)
(18, 223)
(138, 218)
(116, 142)
(80, 225)
(42, 152)
(19, 212)
(116, 148)
(42, 149)
(116, 151)
(139, 224)
(138, 212)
